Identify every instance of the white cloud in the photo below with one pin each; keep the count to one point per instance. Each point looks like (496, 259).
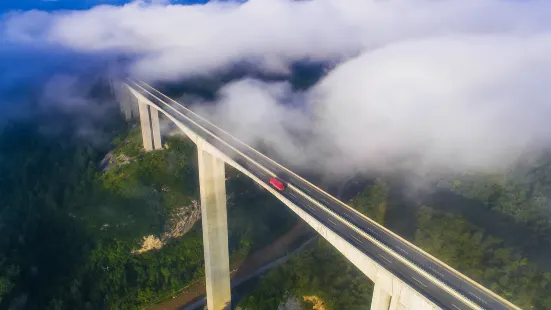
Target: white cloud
(175, 40)
(457, 85)
(459, 102)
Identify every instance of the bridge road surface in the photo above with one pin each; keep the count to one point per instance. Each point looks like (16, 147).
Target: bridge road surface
(413, 278)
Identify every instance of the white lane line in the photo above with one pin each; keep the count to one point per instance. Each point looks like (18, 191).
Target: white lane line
(423, 284)
(475, 296)
(330, 220)
(292, 195)
(399, 248)
(373, 232)
(351, 219)
(436, 271)
(360, 241)
(456, 307)
(388, 260)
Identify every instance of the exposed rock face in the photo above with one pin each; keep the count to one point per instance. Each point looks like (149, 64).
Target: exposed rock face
(182, 221)
(318, 304)
(149, 243)
(292, 303)
(110, 161)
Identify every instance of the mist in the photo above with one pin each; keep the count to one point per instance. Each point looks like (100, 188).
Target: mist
(425, 86)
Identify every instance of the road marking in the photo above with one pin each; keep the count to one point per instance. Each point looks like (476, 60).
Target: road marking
(292, 195)
(399, 248)
(477, 297)
(348, 217)
(330, 220)
(371, 231)
(360, 241)
(388, 260)
(436, 271)
(456, 307)
(423, 284)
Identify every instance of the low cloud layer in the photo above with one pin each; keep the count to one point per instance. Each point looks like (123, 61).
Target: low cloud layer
(460, 102)
(422, 85)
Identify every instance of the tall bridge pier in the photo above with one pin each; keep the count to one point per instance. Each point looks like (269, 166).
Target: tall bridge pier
(215, 229)
(149, 122)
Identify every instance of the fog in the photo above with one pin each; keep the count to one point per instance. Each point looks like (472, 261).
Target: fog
(454, 103)
(425, 86)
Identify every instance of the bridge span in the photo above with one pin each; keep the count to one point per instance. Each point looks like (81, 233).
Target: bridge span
(405, 276)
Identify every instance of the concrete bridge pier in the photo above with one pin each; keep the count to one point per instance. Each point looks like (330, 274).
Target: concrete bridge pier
(381, 299)
(125, 99)
(155, 128)
(145, 125)
(215, 230)
(149, 122)
(126, 106)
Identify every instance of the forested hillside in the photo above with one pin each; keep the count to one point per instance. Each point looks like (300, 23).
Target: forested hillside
(70, 223)
(522, 193)
(450, 236)
(484, 258)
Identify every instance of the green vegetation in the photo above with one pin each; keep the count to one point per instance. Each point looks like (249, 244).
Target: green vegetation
(483, 258)
(319, 271)
(521, 193)
(67, 229)
(372, 201)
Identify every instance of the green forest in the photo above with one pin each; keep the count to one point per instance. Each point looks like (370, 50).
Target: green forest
(522, 193)
(450, 237)
(68, 229)
(74, 213)
(483, 258)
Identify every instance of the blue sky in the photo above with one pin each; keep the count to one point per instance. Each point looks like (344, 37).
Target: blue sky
(51, 5)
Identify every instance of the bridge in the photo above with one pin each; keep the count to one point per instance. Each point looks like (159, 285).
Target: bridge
(405, 276)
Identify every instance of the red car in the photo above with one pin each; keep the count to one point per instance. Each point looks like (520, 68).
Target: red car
(277, 183)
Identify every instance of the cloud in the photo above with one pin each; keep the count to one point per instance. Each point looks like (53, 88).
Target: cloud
(262, 114)
(458, 103)
(422, 85)
(170, 41)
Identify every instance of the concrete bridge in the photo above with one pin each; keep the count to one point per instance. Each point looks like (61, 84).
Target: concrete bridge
(405, 276)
